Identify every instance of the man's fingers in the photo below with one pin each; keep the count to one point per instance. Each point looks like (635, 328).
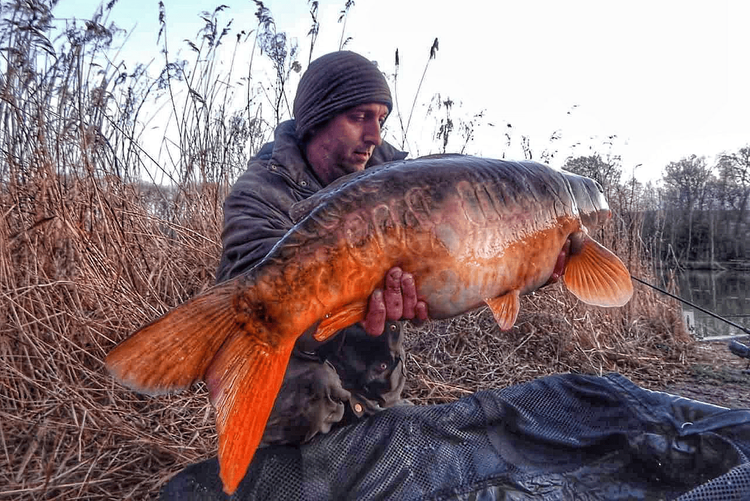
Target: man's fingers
(560, 263)
(421, 310)
(374, 322)
(398, 300)
(409, 292)
(392, 295)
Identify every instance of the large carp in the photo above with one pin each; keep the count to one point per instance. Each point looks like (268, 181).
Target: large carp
(470, 230)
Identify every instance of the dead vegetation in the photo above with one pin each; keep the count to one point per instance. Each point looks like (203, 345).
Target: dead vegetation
(555, 333)
(89, 252)
(78, 272)
(82, 271)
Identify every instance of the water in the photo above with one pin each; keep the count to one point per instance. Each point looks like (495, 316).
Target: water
(726, 293)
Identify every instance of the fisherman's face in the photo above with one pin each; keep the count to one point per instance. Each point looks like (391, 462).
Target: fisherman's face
(346, 142)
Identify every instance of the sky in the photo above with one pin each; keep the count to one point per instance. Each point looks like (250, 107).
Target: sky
(650, 81)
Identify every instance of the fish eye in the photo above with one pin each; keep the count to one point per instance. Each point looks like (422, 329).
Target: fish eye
(393, 327)
(383, 366)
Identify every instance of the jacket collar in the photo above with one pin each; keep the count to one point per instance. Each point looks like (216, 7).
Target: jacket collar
(288, 159)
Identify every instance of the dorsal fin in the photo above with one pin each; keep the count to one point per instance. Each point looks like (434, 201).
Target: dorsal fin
(304, 207)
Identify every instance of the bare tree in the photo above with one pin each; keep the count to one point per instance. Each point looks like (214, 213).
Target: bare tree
(734, 169)
(686, 184)
(606, 172)
(734, 179)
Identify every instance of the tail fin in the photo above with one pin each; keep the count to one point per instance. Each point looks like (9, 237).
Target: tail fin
(596, 276)
(174, 351)
(243, 381)
(204, 339)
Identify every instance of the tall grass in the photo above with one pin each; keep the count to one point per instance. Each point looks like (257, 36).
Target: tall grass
(89, 251)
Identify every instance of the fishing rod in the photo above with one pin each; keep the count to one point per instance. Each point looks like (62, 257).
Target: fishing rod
(740, 327)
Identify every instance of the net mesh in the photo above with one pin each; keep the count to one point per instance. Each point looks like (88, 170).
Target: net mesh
(559, 437)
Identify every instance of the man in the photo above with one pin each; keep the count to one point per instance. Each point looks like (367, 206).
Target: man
(341, 105)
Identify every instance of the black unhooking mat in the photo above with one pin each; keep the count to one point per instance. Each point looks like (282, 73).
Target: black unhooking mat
(555, 438)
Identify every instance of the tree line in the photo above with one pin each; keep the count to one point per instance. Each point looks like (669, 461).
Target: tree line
(695, 215)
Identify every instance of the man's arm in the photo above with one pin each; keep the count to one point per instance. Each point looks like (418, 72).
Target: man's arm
(256, 217)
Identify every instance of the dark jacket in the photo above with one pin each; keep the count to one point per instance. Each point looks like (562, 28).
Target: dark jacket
(256, 216)
(256, 212)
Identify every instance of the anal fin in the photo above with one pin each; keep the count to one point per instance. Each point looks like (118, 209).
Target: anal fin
(243, 381)
(596, 276)
(339, 319)
(505, 309)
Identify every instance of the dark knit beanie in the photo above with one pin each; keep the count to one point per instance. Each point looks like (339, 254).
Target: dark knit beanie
(334, 83)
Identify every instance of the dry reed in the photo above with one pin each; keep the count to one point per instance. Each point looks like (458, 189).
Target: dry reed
(88, 253)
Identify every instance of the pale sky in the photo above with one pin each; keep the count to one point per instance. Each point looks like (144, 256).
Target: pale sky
(668, 78)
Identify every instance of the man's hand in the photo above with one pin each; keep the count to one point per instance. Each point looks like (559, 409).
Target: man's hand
(398, 300)
(560, 264)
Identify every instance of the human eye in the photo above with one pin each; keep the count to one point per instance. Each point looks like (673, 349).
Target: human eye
(357, 116)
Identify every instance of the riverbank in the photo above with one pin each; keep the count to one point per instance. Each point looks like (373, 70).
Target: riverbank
(723, 293)
(716, 376)
(716, 265)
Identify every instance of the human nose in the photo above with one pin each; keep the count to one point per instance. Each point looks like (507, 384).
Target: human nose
(372, 133)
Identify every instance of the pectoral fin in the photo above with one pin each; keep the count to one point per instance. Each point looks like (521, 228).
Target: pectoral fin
(505, 309)
(337, 320)
(596, 276)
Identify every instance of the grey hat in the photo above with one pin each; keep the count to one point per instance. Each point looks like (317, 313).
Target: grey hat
(334, 83)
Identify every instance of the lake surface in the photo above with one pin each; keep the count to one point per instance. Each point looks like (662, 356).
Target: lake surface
(726, 293)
